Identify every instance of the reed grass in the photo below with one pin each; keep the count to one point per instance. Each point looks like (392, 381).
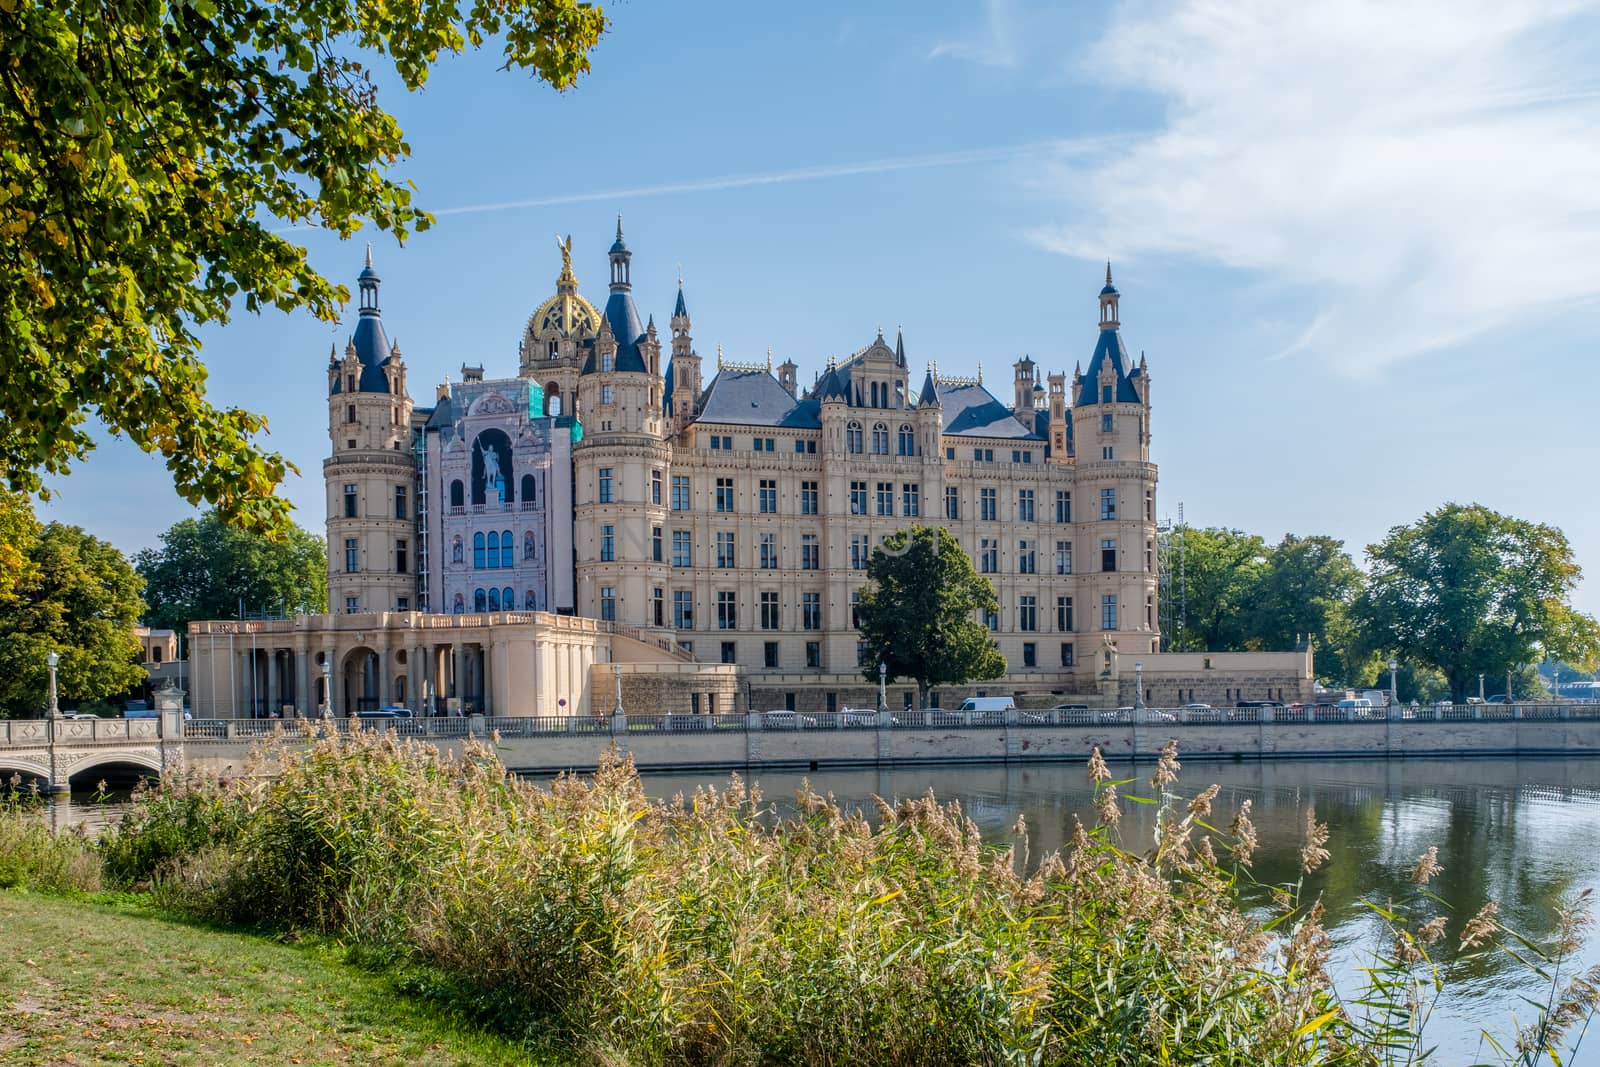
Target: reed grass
(626, 932)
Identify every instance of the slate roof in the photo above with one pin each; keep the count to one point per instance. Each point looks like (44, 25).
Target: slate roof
(1109, 348)
(624, 319)
(371, 342)
(754, 398)
(972, 411)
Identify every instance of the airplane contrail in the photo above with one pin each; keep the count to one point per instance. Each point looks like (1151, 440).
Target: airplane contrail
(966, 157)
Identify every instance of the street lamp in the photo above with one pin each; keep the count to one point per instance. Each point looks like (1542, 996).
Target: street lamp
(52, 659)
(327, 689)
(616, 675)
(1480, 688)
(1394, 688)
(1138, 685)
(883, 695)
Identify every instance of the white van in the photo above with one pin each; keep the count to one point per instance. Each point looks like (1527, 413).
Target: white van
(987, 704)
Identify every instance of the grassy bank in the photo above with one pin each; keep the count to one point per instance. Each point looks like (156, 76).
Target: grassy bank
(88, 983)
(609, 930)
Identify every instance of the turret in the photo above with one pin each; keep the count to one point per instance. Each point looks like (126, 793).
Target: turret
(1060, 451)
(685, 370)
(788, 377)
(1022, 383)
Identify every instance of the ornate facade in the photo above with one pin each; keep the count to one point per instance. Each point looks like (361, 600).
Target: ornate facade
(736, 516)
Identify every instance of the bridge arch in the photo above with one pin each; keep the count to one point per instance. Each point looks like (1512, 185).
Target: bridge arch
(27, 768)
(120, 770)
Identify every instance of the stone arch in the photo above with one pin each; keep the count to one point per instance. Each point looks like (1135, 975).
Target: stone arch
(358, 682)
(134, 766)
(496, 442)
(552, 398)
(12, 764)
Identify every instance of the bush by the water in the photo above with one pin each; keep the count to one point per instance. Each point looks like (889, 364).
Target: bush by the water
(623, 931)
(32, 857)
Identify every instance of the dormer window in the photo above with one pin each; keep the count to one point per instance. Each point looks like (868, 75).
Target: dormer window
(608, 361)
(1105, 394)
(349, 383)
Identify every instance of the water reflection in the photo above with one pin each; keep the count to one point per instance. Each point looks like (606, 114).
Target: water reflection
(1523, 832)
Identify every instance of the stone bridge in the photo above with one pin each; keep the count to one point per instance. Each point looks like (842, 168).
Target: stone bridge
(59, 753)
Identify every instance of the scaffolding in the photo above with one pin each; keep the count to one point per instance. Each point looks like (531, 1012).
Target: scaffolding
(1174, 582)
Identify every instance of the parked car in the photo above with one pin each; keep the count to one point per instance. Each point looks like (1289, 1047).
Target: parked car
(858, 717)
(784, 719)
(1198, 707)
(987, 704)
(1498, 698)
(79, 715)
(384, 713)
(1070, 707)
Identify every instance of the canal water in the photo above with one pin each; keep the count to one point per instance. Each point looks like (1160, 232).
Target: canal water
(1525, 833)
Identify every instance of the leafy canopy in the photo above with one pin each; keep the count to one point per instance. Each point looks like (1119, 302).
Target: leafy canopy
(1467, 590)
(918, 612)
(148, 150)
(206, 568)
(73, 594)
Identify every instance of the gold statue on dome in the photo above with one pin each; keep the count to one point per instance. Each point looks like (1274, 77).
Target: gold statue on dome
(567, 277)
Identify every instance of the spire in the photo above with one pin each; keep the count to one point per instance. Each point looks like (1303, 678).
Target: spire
(1108, 302)
(1108, 272)
(620, 262)
(369, 255)
(899, 347)
(681, 310)
(368, 282)
(930, 392)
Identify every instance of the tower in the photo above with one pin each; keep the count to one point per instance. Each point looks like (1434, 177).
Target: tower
(369, 474)
(1110, 434)
(555, 342)
(683, 378)
(1022, 382)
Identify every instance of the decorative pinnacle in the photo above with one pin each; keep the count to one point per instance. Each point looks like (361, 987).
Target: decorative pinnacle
(719, 355)
(769, 359)
(619, 227)
(1108, 272)
(369, 255)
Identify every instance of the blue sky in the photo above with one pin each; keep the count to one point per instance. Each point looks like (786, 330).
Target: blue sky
(1358, 242)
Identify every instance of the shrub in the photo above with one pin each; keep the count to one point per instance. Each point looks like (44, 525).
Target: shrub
(32, 857)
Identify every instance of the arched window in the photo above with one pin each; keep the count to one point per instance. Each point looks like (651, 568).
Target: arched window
(477, 551)
(552, 399)
(553, 352)
(528, 492)
(508, 598)
(494, 551)
(458, 494)
(874, 393)
(507, 547)
(908, 441)
(494, 600)
(852, 438)
(880, 440)
(531, 602)
(480, 601)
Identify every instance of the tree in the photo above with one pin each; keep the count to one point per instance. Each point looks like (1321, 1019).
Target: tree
(1222, 571)
(1468, 590)
(76, 595)
(205, 568)
(148, 152)
(918, 612)
(1304, 593)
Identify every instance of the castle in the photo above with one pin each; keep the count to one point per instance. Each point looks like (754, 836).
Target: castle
(729, 522)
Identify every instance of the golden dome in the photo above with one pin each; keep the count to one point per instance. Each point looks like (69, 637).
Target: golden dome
(567, 313)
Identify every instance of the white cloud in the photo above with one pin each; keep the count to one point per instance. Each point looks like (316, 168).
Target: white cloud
(994, 45)
(1426, 172)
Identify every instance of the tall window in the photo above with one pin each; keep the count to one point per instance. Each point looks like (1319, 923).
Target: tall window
(1149, 505)
(769, 496)
(1149, 611)
(605, 485)
(608, 361)
(1024, 505)
(1064, 614)
(910, 500)
(952, 503)
(493, 555)
(1108, 504)
(682, 609)
(725, 549)
(1063, 557)
(727, 611)
(852, 438)
(480, 601)
(988, 509)
(658, 607)
(606, 394)
(1067, 658)
(855, 610)
(769, 654)
(1027, 613)
(880, 440)
(769, 611)
(808, 498)
(608, 603)
(1030, 651)
(655, 487)
(908, 441)
(724, 494)
(478, 562)
(507, 549)
(769, 551)
(810, 557)
(352, 555)
(1108, 612)
(988, 556)
(991, 619)
(350, 501)
(814, 654)
(1108, 555)
(1063, 506)
(655, 546)
(1026, 563)
(608, 544)
(811, 611)
(400, 502)
(858, 498)
(1149, 556)
(1108, 422)
(682, 549)
(860, 551)
(680, 492)
(458, 495)
(885, 498)
(402, 555)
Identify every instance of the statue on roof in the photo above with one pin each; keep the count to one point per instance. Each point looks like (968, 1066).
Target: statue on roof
(567, 277)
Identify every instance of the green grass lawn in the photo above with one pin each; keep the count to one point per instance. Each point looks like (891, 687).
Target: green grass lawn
(87, 983)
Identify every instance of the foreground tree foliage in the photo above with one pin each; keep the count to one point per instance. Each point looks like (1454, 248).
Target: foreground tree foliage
(73, 594)
(918, 612)
(206, 568)
(148, 151)
(1467, 590)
